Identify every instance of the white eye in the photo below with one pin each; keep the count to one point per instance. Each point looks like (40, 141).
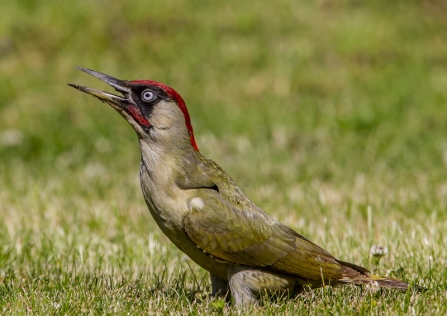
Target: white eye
(148, 95)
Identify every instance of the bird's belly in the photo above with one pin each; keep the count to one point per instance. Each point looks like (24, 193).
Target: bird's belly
(171, 228)
(167, 213)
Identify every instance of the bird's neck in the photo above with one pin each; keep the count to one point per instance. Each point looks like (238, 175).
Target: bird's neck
(165, 158)
(161, 171)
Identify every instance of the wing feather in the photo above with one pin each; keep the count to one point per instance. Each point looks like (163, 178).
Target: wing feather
(253, 238)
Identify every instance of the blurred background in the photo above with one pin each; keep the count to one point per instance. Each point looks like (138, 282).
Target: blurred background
(330, 115)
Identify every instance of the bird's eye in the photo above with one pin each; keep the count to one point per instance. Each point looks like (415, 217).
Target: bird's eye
(148, 95)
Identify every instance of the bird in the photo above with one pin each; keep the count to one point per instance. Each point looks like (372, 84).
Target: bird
(201, 210)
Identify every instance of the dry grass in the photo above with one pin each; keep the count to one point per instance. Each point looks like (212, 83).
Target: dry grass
(330, 116)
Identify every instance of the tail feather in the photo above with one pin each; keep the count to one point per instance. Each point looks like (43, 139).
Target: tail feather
(377, 281)
(349, 268)
(358, 275)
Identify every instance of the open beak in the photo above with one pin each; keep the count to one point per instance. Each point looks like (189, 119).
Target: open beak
(119, 85)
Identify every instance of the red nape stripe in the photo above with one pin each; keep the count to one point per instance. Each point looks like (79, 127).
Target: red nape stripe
(136, 114)
(181, 104)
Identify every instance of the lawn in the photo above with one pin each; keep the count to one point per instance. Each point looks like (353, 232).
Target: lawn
(330, 115)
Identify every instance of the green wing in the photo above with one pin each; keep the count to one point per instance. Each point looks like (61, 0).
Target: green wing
(245, 235)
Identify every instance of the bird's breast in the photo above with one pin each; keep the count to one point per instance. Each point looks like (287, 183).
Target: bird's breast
(163, 198)
(167, 204)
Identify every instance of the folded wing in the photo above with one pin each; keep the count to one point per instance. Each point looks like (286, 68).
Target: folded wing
(250, 237)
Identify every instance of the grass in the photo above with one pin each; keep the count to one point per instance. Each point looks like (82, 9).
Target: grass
(329, 115)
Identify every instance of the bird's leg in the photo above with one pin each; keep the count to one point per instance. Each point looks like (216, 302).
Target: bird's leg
(219, 287)
(247, 283)
(241, 292)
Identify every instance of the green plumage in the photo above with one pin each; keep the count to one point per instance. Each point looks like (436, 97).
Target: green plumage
(201, 210)
(230, 228)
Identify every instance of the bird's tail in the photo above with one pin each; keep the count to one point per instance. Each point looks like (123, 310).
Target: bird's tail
(358, 275)
(377, 281)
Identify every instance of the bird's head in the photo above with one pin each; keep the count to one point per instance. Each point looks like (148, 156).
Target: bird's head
(156, 111)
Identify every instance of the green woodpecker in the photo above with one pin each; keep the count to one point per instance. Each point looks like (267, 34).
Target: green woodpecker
(202, 211)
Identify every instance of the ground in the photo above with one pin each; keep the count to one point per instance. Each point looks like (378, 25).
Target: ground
(330, 115)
